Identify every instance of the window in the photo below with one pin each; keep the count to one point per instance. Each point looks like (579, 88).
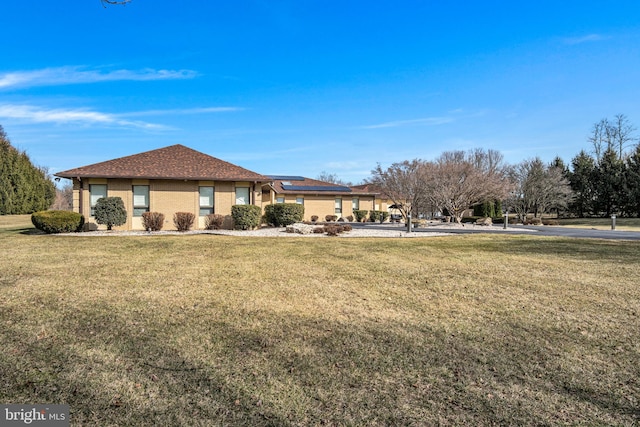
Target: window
(96, 191)
(242, 196)
(280, 199)
(300, 200)
(206, 200)
(355, 204)
(338, 206)
(140, 199)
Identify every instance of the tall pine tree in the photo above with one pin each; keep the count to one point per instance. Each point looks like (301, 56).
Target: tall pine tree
(633, 182)
(24, 188)
(582, 179)
(610, 184)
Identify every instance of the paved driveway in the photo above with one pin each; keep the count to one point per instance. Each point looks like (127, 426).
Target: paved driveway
(518, 229)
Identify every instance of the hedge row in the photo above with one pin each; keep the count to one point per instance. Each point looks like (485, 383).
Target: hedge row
(52, 222)
(283, 214)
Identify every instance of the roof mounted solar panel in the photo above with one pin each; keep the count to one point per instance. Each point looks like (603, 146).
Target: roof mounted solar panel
(333, 188)
(285, 178)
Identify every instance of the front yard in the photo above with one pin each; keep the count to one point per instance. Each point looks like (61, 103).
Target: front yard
(222, 330)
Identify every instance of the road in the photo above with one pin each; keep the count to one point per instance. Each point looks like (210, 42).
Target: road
(581, 233)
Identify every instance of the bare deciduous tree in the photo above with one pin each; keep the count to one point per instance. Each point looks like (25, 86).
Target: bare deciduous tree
(616, 135)
(538, 188)
(404, 183)
(120, 2)
(64, 198)
(622, 134)
(457, 180)
(332, 178)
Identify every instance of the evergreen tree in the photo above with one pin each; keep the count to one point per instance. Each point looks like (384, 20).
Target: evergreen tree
(24, 188)
(633, 182)
(610, 184)
(582, 180)
(559, 164)
(110, 211)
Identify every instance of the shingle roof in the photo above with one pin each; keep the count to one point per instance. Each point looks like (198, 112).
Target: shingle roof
(173, 162)
(301, 185)
(366, 188)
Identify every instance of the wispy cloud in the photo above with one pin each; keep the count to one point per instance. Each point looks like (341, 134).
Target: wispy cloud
(428, 121)
(78, 75)
(34, 114)
(584, 39)
(182, 111)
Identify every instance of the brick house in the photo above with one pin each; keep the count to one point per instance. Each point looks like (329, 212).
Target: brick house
(318, 197)
(167, 180)
(180, 179)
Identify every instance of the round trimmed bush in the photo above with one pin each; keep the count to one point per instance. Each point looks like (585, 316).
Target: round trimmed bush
(283, 214)
(246, 217)
(183, 221)
(361, 215)
(110, 211)
(152, 221)
(213, 222)
(52, 222)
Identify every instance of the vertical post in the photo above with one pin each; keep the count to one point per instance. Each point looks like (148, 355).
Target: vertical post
(409, 222)
(506, 219)
(613, 222)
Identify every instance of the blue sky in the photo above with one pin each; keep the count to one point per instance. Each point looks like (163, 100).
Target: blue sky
(301, 87)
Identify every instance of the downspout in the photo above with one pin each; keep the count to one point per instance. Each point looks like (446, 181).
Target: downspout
(80, 195)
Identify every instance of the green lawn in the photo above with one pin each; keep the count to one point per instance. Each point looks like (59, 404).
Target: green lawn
(216, 330)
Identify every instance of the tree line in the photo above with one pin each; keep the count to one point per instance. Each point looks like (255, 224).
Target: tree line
(607, 181)
(603, 183)
(24, 188)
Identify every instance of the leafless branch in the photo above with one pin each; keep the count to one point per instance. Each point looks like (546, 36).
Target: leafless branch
(120, 2)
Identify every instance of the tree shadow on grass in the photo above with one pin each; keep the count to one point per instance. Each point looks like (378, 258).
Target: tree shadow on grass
(117, 367)
(582, 249)
(31, 232)
(112, 374)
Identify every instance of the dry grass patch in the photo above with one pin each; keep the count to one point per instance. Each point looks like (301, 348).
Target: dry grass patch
(624, 224)
(216, 330)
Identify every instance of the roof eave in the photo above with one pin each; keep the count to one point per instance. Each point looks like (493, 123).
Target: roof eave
(170, 178)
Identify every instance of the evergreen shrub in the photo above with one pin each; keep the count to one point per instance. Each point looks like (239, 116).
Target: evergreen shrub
(283, 214)
(110, 211)
(245, 217)
(360, 215)
(375, 216)
(52, 222)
